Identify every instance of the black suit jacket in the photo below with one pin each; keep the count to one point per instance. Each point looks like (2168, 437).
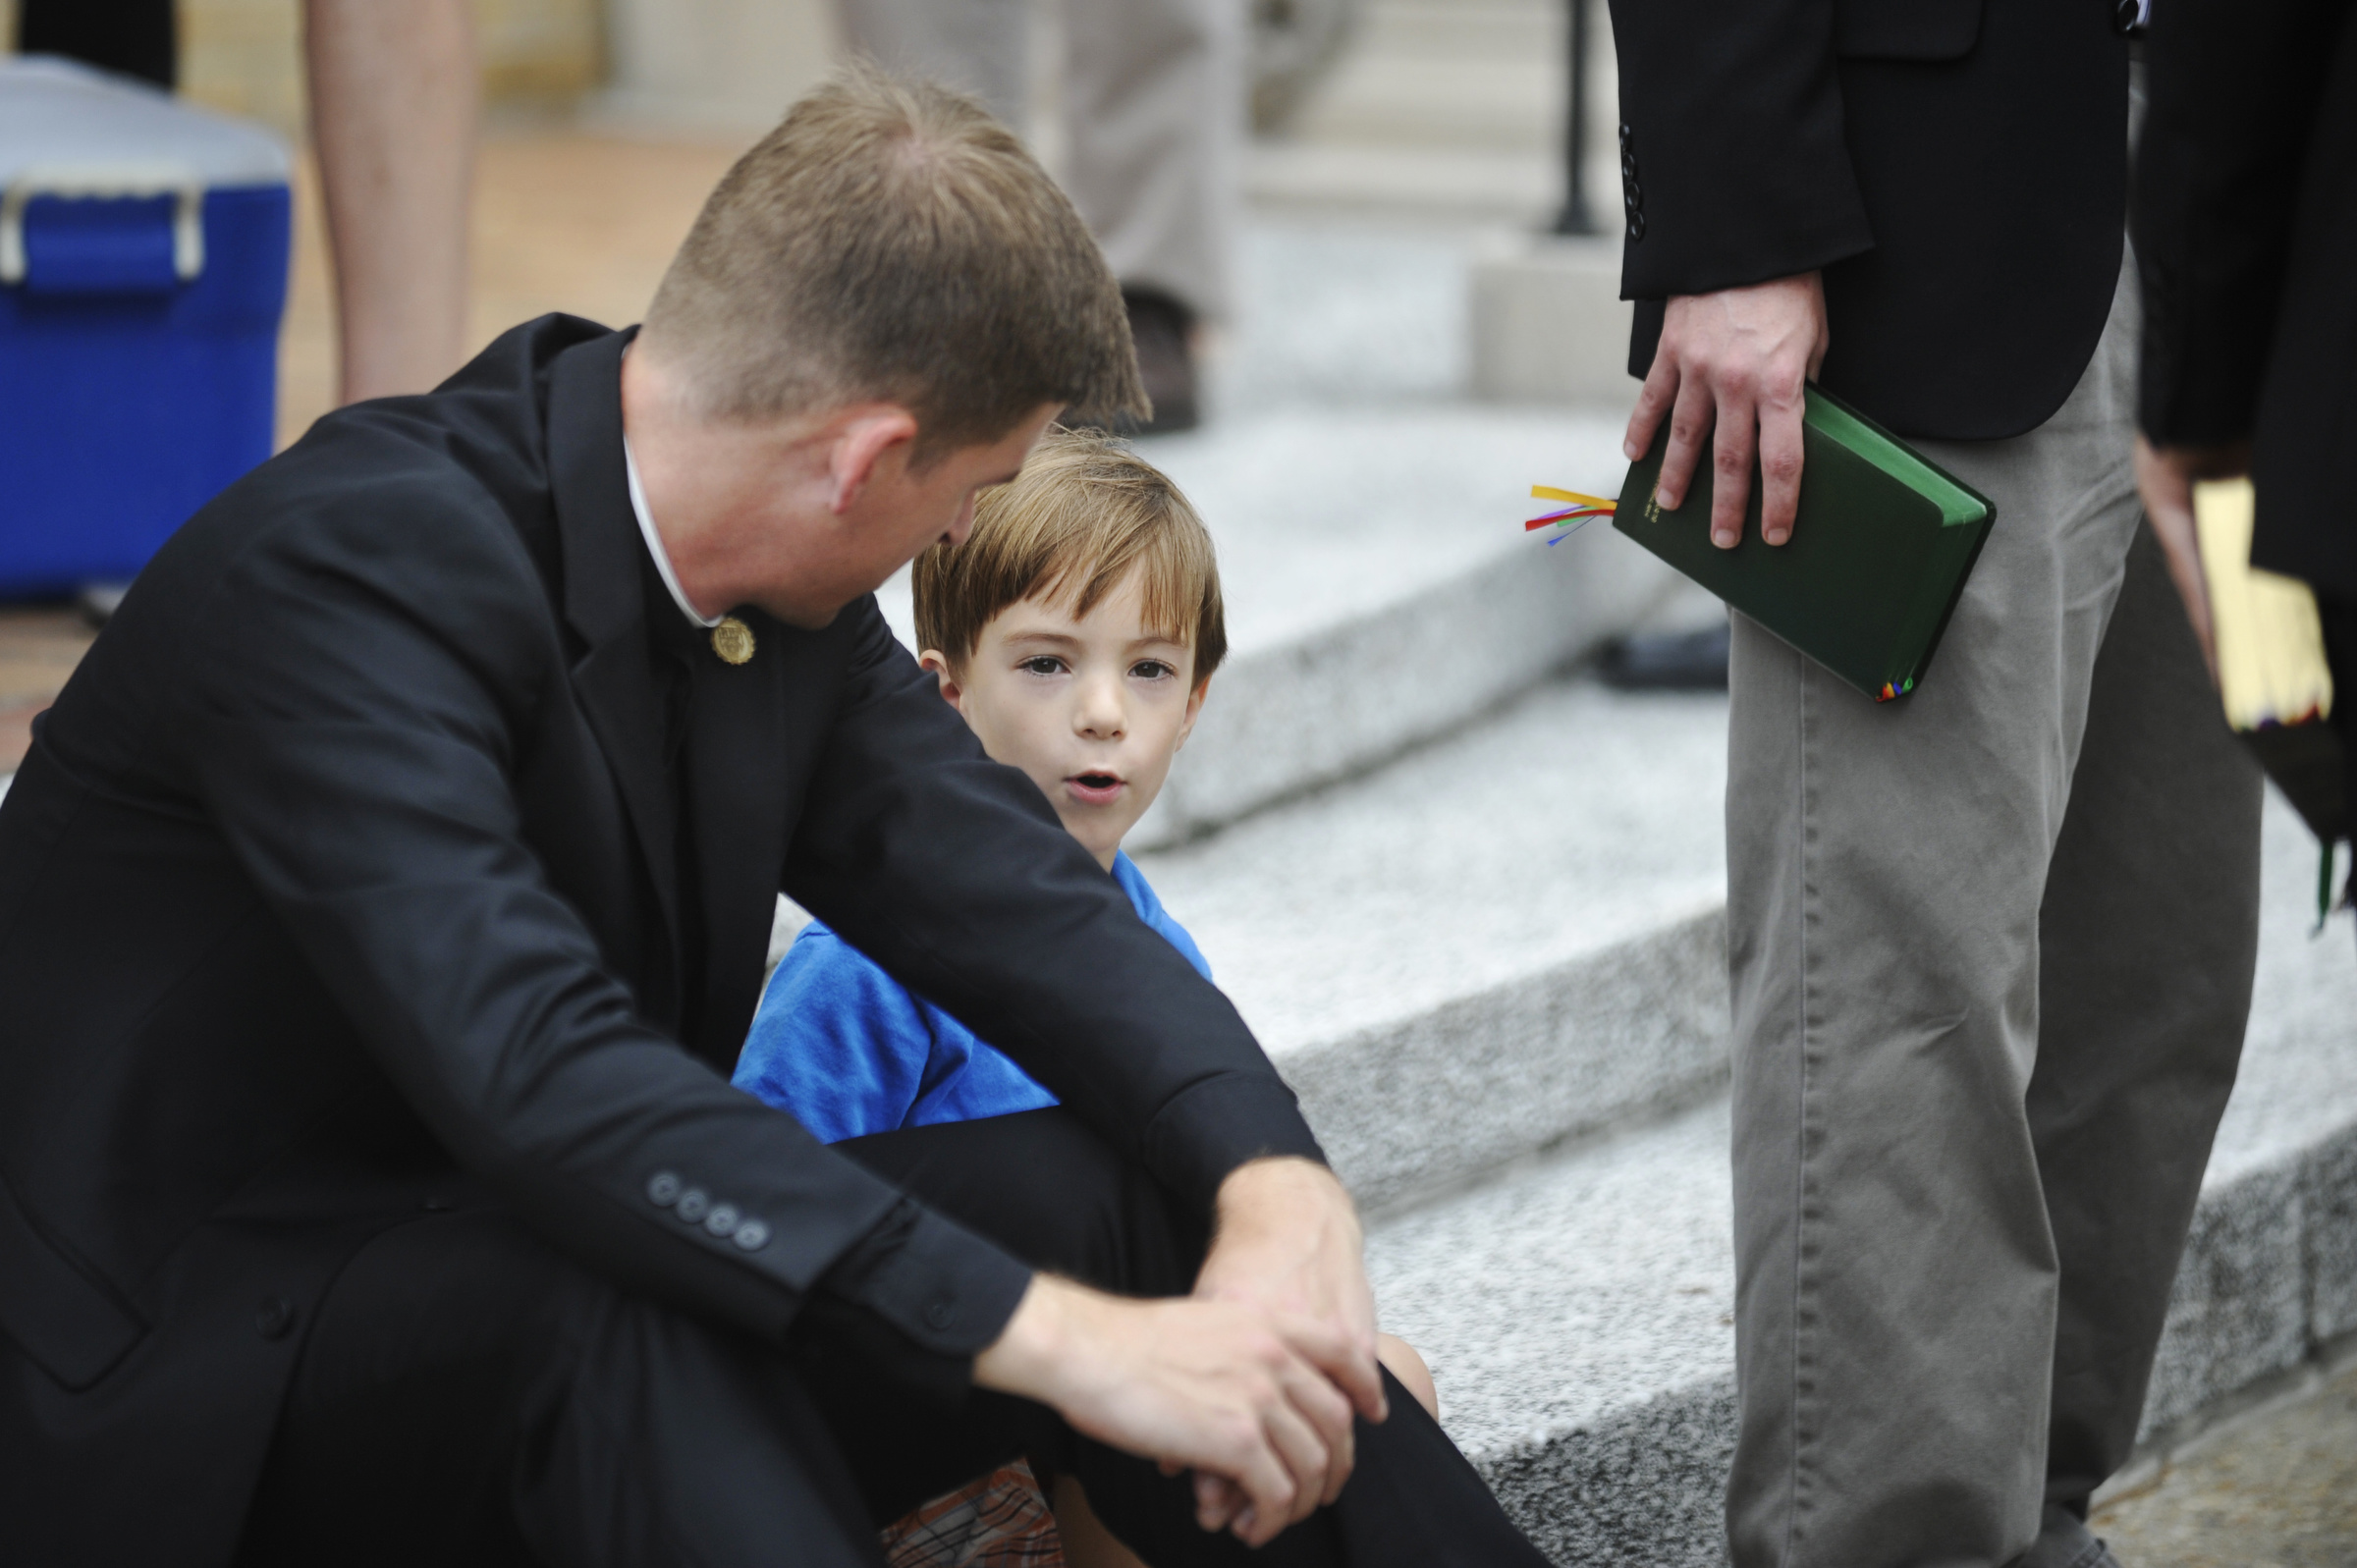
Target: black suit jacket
(351, 875)
(2246, 234)
(1958, 168)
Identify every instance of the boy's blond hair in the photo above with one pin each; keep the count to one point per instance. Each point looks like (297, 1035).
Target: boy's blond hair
(890, 240)
(1084, 510)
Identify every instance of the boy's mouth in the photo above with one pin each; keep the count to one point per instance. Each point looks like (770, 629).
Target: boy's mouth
(1094, 789)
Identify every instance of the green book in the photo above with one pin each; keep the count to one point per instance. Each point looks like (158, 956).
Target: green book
(1878, 557)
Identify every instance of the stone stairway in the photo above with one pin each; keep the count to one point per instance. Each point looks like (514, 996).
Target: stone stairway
(1472, 902)
(1493, 971)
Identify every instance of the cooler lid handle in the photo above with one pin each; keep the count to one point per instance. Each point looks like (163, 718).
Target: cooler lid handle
(107, 180)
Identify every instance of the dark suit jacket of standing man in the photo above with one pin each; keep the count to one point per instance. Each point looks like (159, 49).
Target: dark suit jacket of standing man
(1958, 168)
(347, 879)
(2246, 234)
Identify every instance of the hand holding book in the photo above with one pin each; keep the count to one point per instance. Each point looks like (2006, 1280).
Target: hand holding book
(1726, 379)
(1880, 548)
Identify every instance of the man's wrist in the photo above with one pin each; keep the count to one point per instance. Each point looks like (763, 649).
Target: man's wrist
(1273, 1188)
(1036, 1343)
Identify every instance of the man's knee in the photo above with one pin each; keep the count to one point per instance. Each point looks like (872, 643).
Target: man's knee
(1046, 1187)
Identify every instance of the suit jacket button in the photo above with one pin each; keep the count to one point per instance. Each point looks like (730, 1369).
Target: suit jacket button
(663, 1188)
(722, 1221)
(275, 1319)
(938, 1312)
(751, 1236)
(694, 1204)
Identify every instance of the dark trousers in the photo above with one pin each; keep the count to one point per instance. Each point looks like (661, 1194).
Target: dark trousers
(469, 1396)
(137, 38)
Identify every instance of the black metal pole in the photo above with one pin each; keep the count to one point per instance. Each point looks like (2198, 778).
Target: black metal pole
(1574, 218)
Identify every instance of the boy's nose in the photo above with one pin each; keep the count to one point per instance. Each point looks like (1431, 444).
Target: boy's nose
(1100, 715)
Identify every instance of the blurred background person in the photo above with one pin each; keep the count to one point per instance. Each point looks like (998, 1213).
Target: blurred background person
(1153, 105)
(2246, 234)
(394, 107)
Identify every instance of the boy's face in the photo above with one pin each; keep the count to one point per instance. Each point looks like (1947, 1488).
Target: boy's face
(1092, 708)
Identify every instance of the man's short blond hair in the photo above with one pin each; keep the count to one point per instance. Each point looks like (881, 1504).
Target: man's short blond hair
(888, 239)
(1082, 516)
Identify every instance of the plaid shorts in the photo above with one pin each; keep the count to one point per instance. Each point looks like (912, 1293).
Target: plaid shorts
(1000, 1521)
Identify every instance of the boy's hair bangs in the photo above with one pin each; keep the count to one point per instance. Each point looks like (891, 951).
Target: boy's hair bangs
(1081, 516)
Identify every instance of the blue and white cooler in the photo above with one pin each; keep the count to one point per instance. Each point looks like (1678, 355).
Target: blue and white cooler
(142, 274)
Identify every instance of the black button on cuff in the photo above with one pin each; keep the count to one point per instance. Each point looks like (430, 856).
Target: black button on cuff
(751, 1236)
(694, 1204)
(663, 1188)
(940, 1312)
(722, 1220)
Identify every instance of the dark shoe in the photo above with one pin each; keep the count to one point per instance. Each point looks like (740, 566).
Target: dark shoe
(1682, 661)
(1163, 330)
(2065, 1542)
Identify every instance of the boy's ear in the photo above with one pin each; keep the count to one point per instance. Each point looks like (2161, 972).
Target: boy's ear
(1194, 706)
(951, 692)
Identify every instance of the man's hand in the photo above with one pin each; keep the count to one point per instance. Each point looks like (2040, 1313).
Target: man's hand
(2164, 478)
(1734, 361)
(1225, 1387)
(1288, 1242)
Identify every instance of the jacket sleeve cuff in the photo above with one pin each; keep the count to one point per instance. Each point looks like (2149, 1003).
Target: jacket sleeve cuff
(1221, 1123)
(940, 1286)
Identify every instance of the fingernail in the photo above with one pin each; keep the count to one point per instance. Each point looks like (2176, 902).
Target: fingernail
(1628, 450)
(1722, 539)
(1780, 536)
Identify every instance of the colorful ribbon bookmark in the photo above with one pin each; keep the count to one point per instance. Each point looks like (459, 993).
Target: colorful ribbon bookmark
(1584, 511)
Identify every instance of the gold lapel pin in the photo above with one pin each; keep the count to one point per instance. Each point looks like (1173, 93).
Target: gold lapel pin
(732, 640)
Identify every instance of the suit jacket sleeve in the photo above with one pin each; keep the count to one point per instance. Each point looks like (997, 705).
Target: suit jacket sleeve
(352, 729)
(954, 873)
(2235, 88)
(1732, 162)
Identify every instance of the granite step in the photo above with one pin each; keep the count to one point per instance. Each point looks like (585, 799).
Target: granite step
(1505, 939)
(1576, 1308)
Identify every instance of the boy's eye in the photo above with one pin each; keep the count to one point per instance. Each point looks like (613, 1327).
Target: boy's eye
(1151, 669)
(1043, 664)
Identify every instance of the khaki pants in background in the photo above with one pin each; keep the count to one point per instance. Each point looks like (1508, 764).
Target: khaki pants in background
(1154, 117)
(1991, 948)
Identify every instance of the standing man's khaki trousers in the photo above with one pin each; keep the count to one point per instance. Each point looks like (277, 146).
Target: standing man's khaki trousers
(1991, 948)
(1153, 108)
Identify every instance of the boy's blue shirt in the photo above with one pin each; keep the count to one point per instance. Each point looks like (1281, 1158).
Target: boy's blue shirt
(848, 1050)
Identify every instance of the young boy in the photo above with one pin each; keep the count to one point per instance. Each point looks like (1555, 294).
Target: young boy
(1076, 631)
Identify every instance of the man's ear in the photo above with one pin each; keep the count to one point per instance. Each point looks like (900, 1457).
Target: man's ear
(951, 692)
(1194, 707)
(871, 438)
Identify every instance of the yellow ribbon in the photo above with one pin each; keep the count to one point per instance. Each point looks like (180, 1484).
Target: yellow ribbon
(1550, 493)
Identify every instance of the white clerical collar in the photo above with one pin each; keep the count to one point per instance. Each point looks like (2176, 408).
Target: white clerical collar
(655, 542)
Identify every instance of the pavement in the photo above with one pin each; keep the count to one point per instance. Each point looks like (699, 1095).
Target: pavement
(39, 646)
(2274, 1488)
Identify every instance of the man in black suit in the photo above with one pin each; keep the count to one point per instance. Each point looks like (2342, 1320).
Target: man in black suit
(384, 901)
(2246, 234)
(1991, 943)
